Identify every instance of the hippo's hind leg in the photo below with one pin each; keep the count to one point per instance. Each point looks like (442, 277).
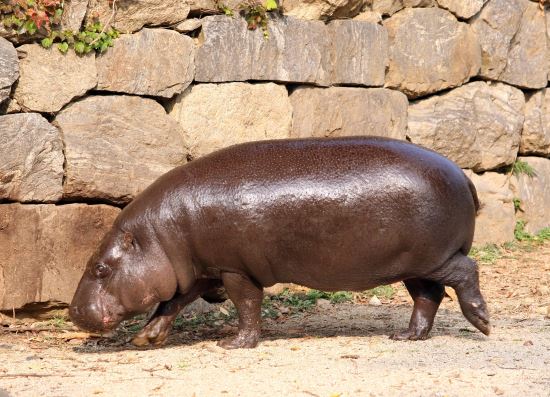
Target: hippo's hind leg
(427, 296)
(247, 297)
(461, 273)
(157, 329)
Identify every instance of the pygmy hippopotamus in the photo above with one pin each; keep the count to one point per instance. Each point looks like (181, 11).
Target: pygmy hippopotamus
(330, 214)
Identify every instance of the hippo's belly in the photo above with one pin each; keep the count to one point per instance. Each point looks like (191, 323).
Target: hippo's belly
(352, 232)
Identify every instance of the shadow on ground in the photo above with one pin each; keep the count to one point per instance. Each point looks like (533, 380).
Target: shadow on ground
(347, 320)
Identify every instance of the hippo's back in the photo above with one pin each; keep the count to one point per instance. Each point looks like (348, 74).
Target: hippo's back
(356, 211)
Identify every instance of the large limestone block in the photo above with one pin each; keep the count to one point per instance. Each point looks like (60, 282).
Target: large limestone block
(535, 137)
(534, 193)
(297, 51)
(512, 34)
(132, 15)
(359, 52)
(9, 68)
(115, 146)
(31, 159)
(323, 9)
(344, 111)
(496, 26)
(156, 62)
(430, 51)
(477, 125)
(214, 116)
(527, 58)
(496, 221)
(344, 52)
(49, 79)
(462, 8)
(44, 249)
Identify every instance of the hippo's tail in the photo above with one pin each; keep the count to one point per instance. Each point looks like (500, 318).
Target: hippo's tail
(474, 194)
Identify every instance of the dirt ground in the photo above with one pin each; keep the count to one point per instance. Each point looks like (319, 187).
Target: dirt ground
(330, 350)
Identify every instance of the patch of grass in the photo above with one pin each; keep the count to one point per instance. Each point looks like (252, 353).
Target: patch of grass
(486, 255)
(269, 310)
(58, 322)
(523, 235)
(290, 302)
(297, 301)
(509, 246)
(520, 233)
(544, 234)
(382, 291)
(524, 241)
(521, 167)
(215, 317)
(333, 297)
(385, 292)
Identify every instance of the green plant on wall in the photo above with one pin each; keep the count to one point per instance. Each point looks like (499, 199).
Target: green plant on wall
(92, 37)
(41, 20)
(517, 205)
(31, 16)
(254, 12)
(521, 167)
(225, 10)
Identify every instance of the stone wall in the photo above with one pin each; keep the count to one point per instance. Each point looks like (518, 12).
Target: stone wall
(80, 136)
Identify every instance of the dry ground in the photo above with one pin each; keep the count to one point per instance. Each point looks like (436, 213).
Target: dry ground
(328, 351)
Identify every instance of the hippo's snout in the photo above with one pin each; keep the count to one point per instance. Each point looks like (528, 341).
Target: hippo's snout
(95, 317)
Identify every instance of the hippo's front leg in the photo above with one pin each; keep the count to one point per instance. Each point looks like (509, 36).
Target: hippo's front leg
(247, 297)
(157, 329)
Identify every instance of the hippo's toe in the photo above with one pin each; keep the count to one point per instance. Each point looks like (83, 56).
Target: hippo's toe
(476, 312)
(244, 340)
(409, 334)
(155, 333)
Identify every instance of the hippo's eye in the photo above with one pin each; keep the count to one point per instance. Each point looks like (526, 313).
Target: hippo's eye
(102, 270)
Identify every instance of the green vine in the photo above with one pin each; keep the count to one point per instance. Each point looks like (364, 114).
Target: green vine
(41, 20)
(254, 12)
(31, 16)
(92, 37)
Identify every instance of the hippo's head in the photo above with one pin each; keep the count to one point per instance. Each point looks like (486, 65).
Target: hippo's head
(126, 276)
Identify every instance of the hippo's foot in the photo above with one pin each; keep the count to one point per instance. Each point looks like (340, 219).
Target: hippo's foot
(244, 340)
(427, 295)
(461, 273)
(247, 297)
(154, 333)
(476, 312)
(409, 334)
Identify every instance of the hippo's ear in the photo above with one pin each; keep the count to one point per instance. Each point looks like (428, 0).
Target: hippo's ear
(127, 241)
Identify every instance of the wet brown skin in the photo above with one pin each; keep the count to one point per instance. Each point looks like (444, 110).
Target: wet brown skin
(330, 214)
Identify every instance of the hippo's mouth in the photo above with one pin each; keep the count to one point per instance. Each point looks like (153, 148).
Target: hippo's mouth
(105, 329)
(94, 322)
